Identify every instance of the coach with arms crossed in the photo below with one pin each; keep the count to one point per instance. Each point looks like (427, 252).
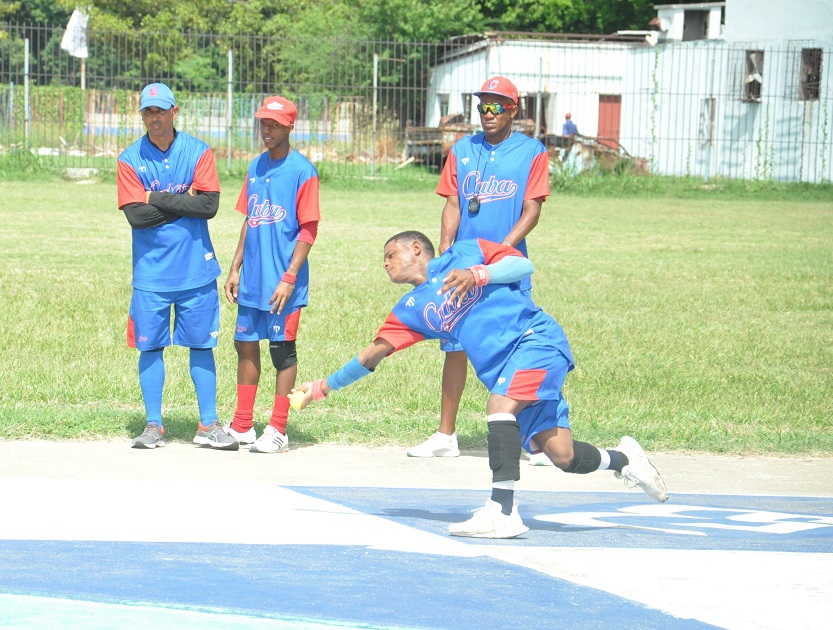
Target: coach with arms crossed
(168, 189)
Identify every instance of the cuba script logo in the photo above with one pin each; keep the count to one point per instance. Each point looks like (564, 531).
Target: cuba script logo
(491, 189)
(444, 317)
(174, 189)
(264, 212)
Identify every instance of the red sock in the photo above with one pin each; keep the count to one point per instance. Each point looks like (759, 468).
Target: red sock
(280, 412)
(244, 414)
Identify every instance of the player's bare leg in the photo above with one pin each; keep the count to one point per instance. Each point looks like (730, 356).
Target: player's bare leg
(444, 442)
(455, 370)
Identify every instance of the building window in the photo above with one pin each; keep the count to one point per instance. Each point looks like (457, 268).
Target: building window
(810, 74)
(695, 25)
(443, 98)
(467, 98)
(753, 77)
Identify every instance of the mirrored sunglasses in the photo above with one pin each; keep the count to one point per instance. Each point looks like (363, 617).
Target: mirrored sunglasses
(493, 108)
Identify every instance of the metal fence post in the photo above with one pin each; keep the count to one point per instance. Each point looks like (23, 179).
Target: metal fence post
(373, 128)
(229, 110)
(26, 122)
(538, 98)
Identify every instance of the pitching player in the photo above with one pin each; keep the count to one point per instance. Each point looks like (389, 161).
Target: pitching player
(494, 184)
(168, 190)
(471, 295)
(269, 275)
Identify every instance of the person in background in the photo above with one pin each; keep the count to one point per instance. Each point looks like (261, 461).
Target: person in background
(569, 128)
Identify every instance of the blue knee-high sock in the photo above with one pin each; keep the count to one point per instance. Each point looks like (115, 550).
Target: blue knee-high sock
(152, 380)
(204, 375)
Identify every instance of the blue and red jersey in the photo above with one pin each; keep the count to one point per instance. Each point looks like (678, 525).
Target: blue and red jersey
(277, 198)
(489, 324)
(502, 177)
(174, 256)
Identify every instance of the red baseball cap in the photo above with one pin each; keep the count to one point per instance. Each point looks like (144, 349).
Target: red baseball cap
(500, 86)
(279, 109)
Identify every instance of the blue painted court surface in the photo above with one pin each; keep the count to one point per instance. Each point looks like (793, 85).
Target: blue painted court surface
(98, 554)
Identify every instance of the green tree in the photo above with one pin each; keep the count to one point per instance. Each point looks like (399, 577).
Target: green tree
(36, 12)
(568, 16)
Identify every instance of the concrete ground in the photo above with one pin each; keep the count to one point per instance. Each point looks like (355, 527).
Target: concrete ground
(336, 465)
(99, 535)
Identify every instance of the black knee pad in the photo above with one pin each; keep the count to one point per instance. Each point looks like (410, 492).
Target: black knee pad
(586, 459)
(283, 354)
(504, 441)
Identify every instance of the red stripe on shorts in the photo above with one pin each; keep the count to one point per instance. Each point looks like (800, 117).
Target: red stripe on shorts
(525, 384)
(131, 336)
(290, 327)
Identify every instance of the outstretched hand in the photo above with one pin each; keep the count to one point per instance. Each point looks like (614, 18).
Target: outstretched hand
(301, 396)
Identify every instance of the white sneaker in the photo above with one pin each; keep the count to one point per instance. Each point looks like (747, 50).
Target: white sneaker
(540, 459)
(438, 445)
(247, 438)
(272, 441)
(639, 471)
(490, 522)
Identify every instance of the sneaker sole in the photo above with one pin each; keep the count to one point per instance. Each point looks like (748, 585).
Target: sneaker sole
(256, 450)
(444, 454)
(504, 534)
(142, 445)
(220, 447)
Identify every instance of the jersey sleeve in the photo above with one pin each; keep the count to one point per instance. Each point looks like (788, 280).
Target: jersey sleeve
(205, 173)
(130, 189)
(538, 184)
(242, 204)
(447, 185)
(493, 252)
(307, 205)
(398, 334)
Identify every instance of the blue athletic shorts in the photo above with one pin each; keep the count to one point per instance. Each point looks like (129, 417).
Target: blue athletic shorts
(196, 318)
(453, 346)
(254, 324)
(536, 371)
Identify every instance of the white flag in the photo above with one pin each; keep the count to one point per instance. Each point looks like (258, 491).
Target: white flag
(75, 39)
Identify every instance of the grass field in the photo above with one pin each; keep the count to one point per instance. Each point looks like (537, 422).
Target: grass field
(702, 323)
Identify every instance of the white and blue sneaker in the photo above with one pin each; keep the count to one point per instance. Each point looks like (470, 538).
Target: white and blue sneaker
(639, 471)
(272, 441)
(490, 522)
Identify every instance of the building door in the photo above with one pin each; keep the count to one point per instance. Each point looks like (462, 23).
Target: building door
(610, 110)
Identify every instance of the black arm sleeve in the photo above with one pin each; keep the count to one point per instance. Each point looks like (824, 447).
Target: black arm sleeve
(203, 205)
(143, 215)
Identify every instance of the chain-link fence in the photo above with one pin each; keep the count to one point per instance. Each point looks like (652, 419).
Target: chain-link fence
(703, 108)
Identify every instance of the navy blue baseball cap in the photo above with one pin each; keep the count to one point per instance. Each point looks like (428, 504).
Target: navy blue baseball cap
(157, 95)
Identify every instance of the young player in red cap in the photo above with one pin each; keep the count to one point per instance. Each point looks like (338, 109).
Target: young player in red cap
(269, 275)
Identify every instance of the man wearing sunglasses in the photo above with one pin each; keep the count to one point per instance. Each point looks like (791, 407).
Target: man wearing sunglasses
(494, 184)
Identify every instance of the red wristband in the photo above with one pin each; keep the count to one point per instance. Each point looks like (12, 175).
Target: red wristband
(288, 278)
(318, 390)
(481, 275)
